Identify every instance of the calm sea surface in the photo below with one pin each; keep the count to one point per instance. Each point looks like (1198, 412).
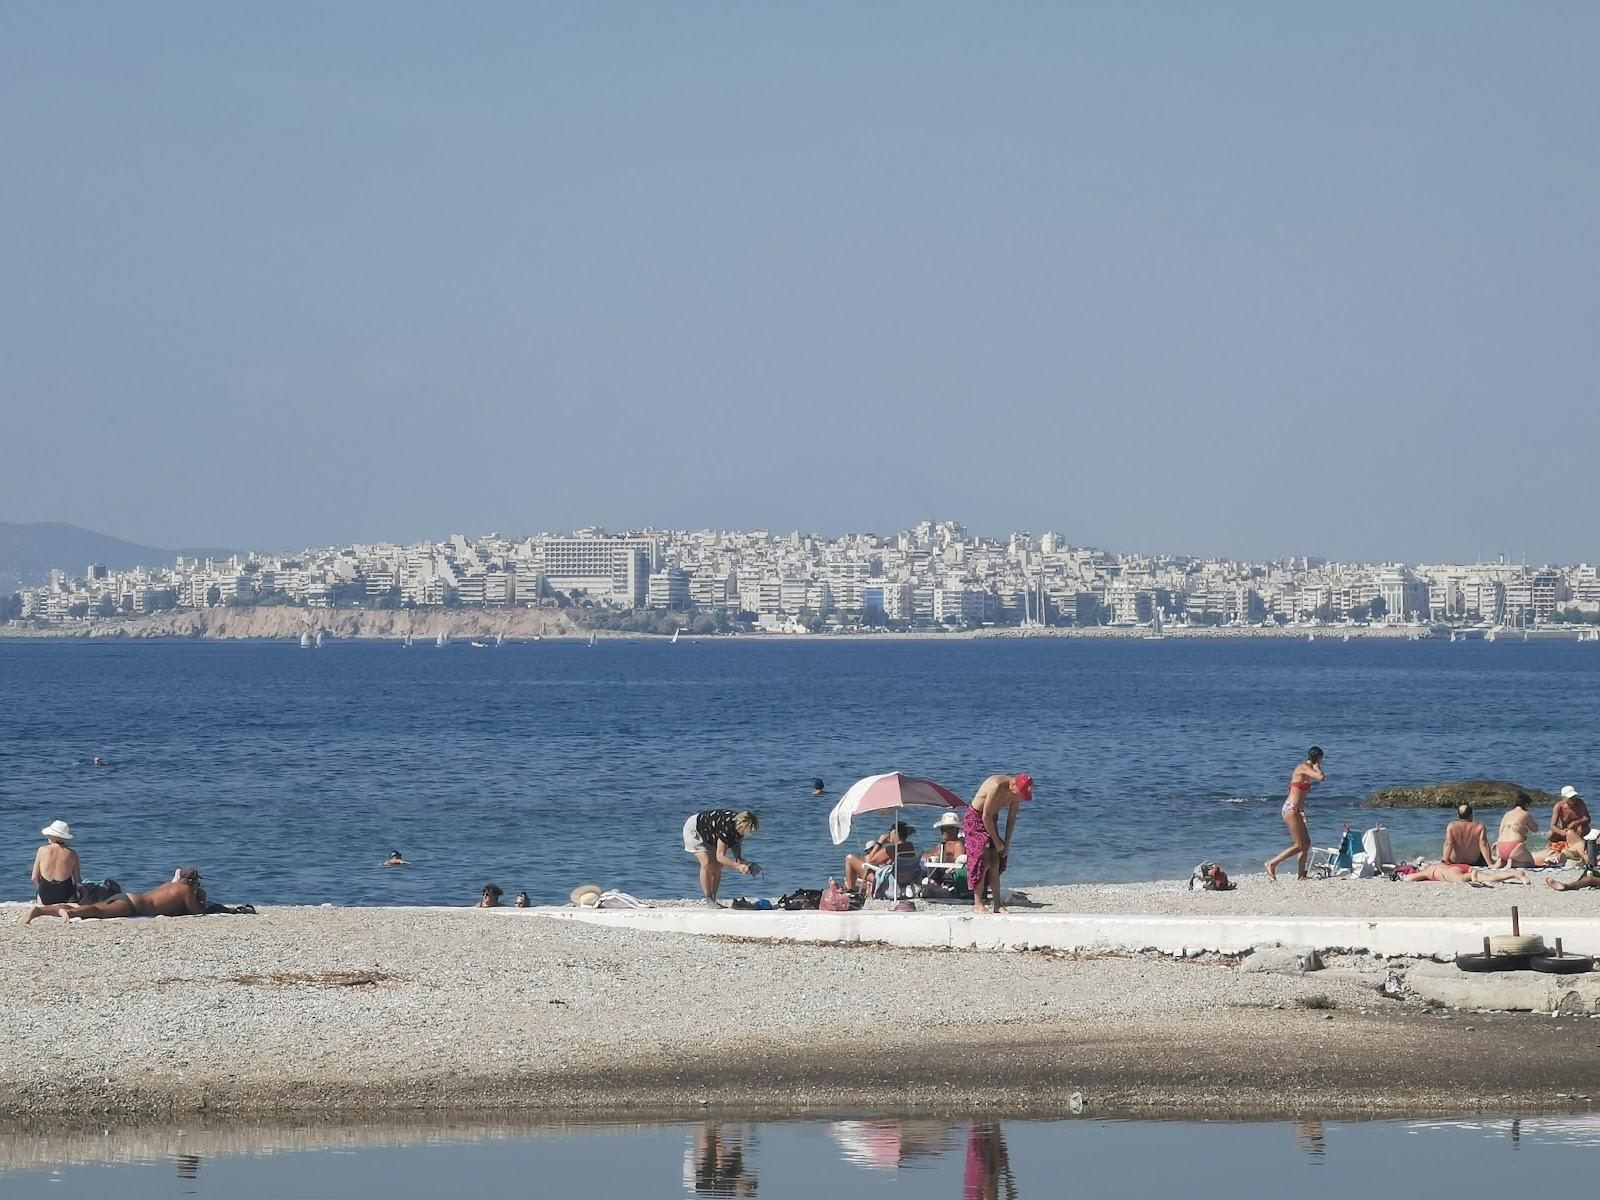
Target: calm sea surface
(286, 774)
(942, 1160)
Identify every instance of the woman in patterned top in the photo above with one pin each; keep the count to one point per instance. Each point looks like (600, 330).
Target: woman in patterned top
(716, 837)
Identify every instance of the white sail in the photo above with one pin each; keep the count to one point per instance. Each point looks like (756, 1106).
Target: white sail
(305, 641)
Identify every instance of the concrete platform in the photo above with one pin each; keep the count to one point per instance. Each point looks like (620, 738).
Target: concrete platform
(958, 929)
(1505, 991)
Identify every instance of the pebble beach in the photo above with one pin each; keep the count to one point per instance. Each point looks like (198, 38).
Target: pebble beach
(370, 1010)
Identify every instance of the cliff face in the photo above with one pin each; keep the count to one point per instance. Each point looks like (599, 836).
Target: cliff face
(1480, 793)
(288, 623)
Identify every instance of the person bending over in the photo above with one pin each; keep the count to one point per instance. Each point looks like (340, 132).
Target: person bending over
(715, 837)
(988, 853)
(1466, 841)
(183, 897)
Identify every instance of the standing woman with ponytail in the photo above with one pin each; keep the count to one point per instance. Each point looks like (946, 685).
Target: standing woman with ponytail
(1294, 812)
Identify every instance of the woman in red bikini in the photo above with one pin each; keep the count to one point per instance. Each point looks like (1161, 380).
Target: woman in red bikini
(1294, 812)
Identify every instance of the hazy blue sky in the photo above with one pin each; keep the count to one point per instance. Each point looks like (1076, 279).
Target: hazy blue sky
(1223, 278)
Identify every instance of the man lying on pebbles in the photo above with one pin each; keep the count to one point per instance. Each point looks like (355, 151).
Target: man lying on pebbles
(183, 897)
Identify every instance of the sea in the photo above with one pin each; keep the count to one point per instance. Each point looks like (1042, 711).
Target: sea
(287, 774)
(979, 1159)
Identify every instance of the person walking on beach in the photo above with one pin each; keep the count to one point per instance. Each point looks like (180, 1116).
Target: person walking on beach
(715, 837)
(1294, 812)
(183, 897)
(56, 872)
(988, 853)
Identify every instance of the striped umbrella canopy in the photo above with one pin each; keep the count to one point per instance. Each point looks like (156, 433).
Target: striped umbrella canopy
(877, 793)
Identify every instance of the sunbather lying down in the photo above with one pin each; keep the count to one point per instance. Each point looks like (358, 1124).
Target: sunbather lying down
(1454, 873)
(183, 897)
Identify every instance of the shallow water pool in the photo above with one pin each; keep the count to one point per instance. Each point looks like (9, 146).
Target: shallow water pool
(978, 1159)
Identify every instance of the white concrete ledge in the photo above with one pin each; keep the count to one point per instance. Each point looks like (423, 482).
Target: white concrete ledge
(1505, 991)
(1389, 936)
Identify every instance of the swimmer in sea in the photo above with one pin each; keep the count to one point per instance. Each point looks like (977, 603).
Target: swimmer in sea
(396, 859)
(818, 788)
(522, 899)
(1294, 812)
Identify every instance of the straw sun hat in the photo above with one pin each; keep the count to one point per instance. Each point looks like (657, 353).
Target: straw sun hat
(58, 829)
(585, 895)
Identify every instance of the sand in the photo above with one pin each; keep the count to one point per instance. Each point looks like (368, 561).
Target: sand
(374, 1010)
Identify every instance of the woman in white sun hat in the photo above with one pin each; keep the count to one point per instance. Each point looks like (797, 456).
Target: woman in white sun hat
(56, 873)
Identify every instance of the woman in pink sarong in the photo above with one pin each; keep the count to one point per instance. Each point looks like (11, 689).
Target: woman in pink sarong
(987, 851)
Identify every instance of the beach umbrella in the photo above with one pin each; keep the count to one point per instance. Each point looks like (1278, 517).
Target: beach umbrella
(888, 793)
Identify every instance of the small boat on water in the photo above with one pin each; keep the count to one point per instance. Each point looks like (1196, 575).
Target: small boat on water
(477, 645)
(1311, 637)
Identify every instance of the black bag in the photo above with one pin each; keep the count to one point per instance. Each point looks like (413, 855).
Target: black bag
(95, 891)
(801, 898)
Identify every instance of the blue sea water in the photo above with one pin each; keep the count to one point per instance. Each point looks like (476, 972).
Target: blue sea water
(288, 774)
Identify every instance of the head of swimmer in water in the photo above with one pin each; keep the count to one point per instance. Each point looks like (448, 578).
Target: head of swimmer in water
(1314, 756)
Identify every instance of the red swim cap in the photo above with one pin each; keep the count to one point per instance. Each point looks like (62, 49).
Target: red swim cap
(1023, 786)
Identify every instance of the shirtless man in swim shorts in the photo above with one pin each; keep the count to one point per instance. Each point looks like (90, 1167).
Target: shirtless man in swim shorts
(183, 897)
(989, 851)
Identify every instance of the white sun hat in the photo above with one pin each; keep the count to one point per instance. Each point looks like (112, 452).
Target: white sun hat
(949, 819)
(58, 829)
(585, 895)
(1568, 792)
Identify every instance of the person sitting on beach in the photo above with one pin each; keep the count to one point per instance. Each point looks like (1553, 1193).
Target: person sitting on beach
(988, 853)
(1569, 820)
(1457, 873)
(716, 839)
(56, 872)
(950, 846)
(1466, 842)
(183, 897)
(880, 852)
(1511, 843)
(491, 896)
(1590, 878)
(396, 859)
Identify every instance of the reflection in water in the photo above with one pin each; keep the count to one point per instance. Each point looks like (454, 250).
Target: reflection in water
(1310, 1139)
(888, 1143)
(719, 1161)
(988, 1164)
(188, 1166)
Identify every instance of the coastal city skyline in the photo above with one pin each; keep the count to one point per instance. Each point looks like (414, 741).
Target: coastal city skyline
(935, 574)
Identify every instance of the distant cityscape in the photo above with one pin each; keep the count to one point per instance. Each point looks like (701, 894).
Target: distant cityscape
(935, 576)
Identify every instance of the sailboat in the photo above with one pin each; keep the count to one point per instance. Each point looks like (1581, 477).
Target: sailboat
(1345, 638)
(1155, 633)
(499, 639)
(441, 641)
(405, 642)
(318, 642)
(305, 641)
(591, 641)
(1311, 637)
(675, 634)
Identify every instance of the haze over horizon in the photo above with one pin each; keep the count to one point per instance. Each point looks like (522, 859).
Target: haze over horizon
(1233, 280)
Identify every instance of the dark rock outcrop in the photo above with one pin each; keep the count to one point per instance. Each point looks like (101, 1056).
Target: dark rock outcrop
(1480, 793)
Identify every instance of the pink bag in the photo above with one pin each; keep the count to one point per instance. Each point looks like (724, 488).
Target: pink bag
(834, 898)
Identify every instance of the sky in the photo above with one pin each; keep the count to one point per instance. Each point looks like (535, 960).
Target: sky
(1245, 279)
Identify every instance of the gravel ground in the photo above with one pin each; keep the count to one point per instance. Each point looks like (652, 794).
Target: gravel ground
(380, 1009)
(1256, 895)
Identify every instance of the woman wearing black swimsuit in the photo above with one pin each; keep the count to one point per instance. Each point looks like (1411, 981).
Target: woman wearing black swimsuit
(56, 873)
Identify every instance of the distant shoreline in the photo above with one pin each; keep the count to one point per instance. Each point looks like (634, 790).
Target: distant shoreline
(522, 625)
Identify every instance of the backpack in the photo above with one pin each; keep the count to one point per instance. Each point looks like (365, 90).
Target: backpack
(1208, 877)
(94, 891)
(801, 898)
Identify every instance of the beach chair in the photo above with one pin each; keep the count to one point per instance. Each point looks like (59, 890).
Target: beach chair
(901, 881)
(1333, 860)
(1375, 842)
